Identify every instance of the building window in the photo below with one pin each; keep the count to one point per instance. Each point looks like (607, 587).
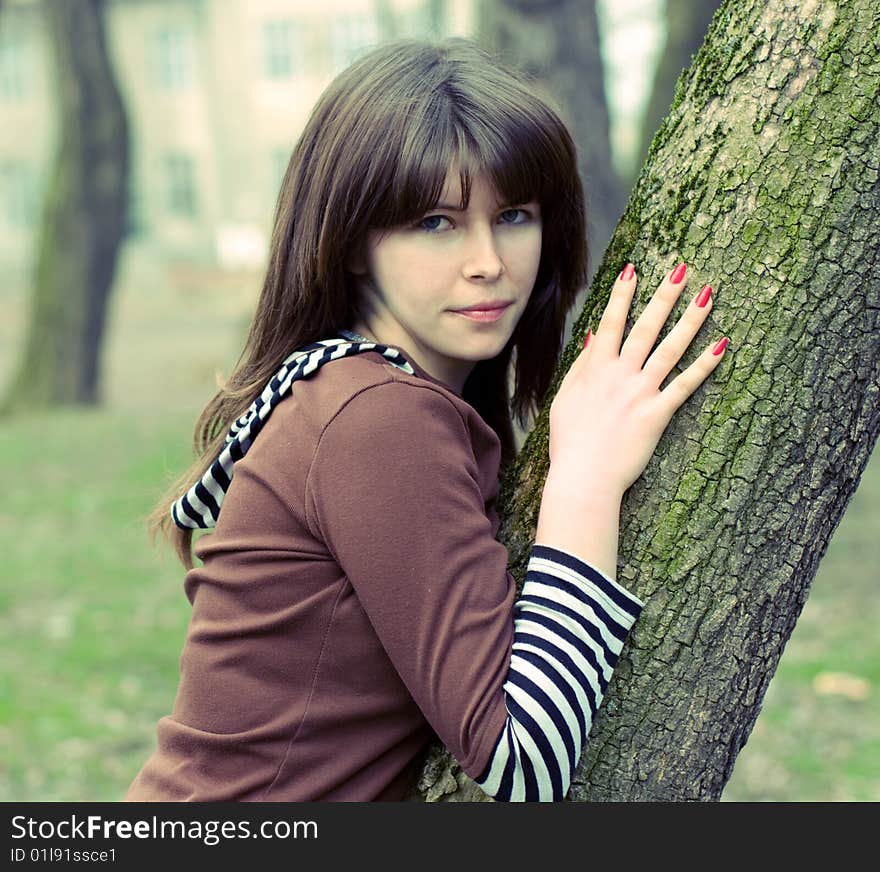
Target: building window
(281, 49)
(172, 58)
(350, 36)
(18, 194)
(180, 185)
(15, 65)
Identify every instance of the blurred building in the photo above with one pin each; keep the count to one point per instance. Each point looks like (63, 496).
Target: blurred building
(217, 92)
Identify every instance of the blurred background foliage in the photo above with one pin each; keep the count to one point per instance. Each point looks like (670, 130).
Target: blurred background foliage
(214, 93)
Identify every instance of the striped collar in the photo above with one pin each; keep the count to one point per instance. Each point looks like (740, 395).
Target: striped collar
(199, 507)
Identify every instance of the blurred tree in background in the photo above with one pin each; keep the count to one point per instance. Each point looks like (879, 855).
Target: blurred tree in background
(686, 24)
(763, 178)
(83, 217)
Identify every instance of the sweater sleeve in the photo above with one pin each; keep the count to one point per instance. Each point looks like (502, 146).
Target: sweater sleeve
(510, 688)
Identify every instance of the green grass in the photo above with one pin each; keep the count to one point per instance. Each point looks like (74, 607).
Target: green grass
(94, 618)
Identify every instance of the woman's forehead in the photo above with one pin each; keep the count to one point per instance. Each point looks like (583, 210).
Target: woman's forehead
(451, 193)
(481, 187)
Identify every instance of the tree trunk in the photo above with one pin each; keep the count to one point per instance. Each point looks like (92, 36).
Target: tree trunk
(764, 179)
(83, 217)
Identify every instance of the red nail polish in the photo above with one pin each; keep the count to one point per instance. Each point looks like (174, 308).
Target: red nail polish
(628, 272)
(703, 296)
(720, 346)
(587, 337)
(678, 274)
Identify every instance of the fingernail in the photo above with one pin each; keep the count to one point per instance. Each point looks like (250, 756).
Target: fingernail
(720, 346)
(678, 274)
(703, 296)
(587, 337)
(628, 272)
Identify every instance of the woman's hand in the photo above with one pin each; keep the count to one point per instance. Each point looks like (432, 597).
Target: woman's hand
(609, 412)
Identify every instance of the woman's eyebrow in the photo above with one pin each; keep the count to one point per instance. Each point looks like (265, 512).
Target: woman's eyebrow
(449, 207)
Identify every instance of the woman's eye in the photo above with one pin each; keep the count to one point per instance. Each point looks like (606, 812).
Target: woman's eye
(430, 223)
(515, 213)
(433, 223)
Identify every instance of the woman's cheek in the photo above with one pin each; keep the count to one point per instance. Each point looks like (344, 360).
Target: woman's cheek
(525, 251)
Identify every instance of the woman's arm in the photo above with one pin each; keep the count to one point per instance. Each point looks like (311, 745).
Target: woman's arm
(570, 624)
(582, 518)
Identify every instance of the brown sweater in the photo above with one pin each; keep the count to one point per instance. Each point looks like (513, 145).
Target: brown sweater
(353, 595)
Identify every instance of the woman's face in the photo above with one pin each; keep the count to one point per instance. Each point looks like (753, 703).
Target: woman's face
(417, 277)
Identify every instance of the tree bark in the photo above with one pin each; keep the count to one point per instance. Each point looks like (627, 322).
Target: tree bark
(764, 179)
(83, 217)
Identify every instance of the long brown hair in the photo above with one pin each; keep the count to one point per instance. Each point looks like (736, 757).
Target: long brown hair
(375, 154)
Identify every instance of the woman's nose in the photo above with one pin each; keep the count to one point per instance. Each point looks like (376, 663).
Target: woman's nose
(482, 257)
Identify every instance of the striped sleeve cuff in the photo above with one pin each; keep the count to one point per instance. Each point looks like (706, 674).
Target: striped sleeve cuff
(570, 623)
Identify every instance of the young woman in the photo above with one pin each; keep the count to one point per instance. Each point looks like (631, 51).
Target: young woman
(353, 600)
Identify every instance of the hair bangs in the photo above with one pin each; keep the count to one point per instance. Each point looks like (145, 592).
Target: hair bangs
(430, 147)
(512, 160)
(509, 156)
(512, 151)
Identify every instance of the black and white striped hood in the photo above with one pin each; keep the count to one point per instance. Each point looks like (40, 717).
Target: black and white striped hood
(199, 507)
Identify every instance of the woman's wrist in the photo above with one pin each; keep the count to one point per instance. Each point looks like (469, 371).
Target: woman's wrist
(583, 519)
(584, 488)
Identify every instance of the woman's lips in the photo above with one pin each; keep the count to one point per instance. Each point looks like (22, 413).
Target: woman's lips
(482, 314)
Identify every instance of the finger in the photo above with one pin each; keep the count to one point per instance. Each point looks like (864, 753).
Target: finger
(609, 333)
(647, 328)
(668, 353)
(580, 360)
(684, 384)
